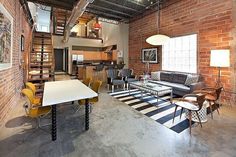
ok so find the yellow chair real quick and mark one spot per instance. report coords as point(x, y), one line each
point(87, 81)
point(95, 87)
point(32, 87)
point(32, 110)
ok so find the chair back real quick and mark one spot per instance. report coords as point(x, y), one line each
point(200, 100)
point(126, 73)
point(99, 67)
point(218, 91)
point(87, 81)
point(112, 73)
point(31, 86)
point(96, 86)
point(110, 67)
point(120, 66)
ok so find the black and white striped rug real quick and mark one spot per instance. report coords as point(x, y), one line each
point(162, 112)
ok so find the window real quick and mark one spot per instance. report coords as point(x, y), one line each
point(44, 28)
point(180, 54)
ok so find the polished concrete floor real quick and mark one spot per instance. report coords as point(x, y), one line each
point(116, 130)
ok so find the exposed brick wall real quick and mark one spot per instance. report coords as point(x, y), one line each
point(11, 80)
point(212, 20)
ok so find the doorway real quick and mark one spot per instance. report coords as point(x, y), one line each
point(66, 54)
point(58, 55)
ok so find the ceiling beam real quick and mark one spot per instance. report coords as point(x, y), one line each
point(76, 13)
point(54, 3)
point(120, 6)
point(91, 6)
point(99, 13)
point(137, 3)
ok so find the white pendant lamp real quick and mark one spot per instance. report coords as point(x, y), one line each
point(158, 39)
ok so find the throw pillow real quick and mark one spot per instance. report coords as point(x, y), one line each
point(179, 78)
point(155, 76)
point(168, 77)
point(191, 79)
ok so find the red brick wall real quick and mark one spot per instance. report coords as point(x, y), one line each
point(212, 20)
point(11, 80)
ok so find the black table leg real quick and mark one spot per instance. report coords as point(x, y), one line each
point(86, 114)
point(54, 123)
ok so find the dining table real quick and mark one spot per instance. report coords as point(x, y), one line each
point(60, 92)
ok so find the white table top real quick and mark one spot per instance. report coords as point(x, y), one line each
point(65, 91)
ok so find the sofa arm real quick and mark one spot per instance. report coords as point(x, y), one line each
point(196, 86)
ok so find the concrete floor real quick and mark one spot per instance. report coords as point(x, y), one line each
point(116, 130)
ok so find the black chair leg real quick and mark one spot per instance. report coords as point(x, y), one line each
point(211, 110)
point(181, 112)
point(190, 121)
point(217, 108)
point(174, 113)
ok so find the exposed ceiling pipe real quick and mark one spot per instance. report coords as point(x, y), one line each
point(77, 11)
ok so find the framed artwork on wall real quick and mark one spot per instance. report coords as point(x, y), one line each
point(22, 43)
point(6, 38)
point(149, 55)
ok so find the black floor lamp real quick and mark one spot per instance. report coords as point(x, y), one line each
point(219, 59)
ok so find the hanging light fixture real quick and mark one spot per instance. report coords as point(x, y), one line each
point(96, 25)
point(158, 39)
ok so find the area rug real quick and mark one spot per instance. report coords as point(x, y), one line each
point(162, 112)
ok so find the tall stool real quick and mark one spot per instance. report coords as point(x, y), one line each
point(97, 71)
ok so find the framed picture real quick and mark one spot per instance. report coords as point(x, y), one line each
point(149, 55)
point(6, 38)
point(22, 42)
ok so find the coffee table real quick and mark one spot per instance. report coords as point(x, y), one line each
point(156, 89)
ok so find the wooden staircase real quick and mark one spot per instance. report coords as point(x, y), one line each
point(41, 60)
point(60, 18)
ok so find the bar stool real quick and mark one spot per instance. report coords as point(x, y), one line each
point(97, 71)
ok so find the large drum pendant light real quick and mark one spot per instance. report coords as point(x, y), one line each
point(158, 39)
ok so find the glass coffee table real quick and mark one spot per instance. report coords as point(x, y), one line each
point(155, 89)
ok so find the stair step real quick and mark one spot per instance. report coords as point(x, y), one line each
point(41, 51)
point(46, 65)
point(38, 62)
point(42, 34)
point(41, 74)
point(42, 44)
point(42, 68)
point(60, 26)
point(40, 79)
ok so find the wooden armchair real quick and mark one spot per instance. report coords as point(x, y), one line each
point(212, 96)
point(192, 103)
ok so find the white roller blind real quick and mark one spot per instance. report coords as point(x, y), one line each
point(180, 54)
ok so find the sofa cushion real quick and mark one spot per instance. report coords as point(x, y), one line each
point(191, 79)
point(164, 76)
point(155, 76)
point(179, 78)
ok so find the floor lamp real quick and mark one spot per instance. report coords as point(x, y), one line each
point(219, 59)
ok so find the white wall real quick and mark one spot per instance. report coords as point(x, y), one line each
point(111, 34)
point(117, 35)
